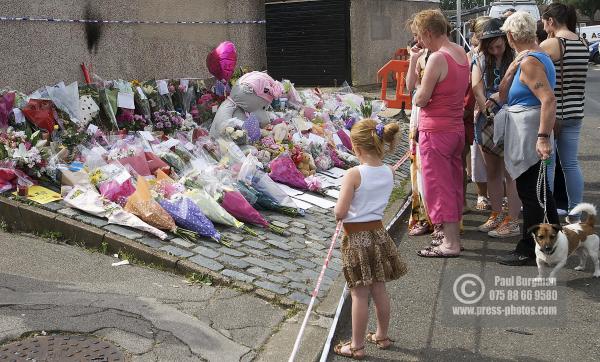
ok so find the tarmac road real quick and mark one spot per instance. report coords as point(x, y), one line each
point(152, 315)
point(423, 332)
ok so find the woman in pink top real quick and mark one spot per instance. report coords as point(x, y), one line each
point(441, 129)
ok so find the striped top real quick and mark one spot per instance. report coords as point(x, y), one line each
point(575, 66)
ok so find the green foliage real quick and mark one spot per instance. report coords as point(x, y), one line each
point(103, 248)
point(366, 109)
point(198, 278)
point(51, 235)
point(465, 4)
point(586, 7)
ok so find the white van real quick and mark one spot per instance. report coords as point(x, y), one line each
point(592, 33)
point(499, 7)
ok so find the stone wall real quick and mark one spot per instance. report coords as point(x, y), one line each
point(33, 54)
point(378, 28)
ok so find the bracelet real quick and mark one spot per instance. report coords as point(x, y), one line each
point(543, 135)
point(493, 100)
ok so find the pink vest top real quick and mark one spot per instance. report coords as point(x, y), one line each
point(444, 113)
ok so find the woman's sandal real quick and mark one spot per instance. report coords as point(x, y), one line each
point(338, 350)
point(418, 229)
point(435, 252)
point(439, 242)
point(379, 342)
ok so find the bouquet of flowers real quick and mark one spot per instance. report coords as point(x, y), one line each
point(165, 186)
point(167, 121)
point(10, 176)
point(284, 170)
point(7, 101)
point(130, 152)
point(40, 112)
point(27, 153)
point(88, 200)
point(267, 193)
point(142, 204)
point(117, 192)
point(107, 98)
point(66, 98)
point(112, 180)
point(215, 212)
point(266, 202)
point(204, 107)
point(235, 204)
point(187, 214)
point(130, 121)
point(140, 99)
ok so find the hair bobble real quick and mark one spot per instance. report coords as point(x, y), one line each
point(379, 130)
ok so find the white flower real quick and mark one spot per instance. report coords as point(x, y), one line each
point(20, 152)
point(229, 130)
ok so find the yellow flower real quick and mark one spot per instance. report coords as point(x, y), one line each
point(135, 83)
point(96, 177)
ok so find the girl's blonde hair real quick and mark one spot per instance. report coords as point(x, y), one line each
point(364, 135)
point(477, 25)
point(432, 20)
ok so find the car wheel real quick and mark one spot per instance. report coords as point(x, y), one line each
point(597, 58)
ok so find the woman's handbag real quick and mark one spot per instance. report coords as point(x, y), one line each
point(487, 134)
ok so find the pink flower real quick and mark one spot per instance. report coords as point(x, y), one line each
point(314, 184)
point(205, 98)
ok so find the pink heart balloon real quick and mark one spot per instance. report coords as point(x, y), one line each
point(221, 61)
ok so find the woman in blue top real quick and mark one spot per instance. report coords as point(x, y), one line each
point(531, 78)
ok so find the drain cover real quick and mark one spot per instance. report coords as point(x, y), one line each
point(60, 348)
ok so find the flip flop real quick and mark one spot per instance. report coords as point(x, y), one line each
point(338, 350)
point(379, 342)
point(433, 252)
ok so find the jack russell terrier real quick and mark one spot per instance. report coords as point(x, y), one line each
point(555, 243)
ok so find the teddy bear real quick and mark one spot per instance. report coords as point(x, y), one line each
point(252, 93)
point(307, 165)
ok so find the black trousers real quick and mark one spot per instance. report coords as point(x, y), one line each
point(533, 213)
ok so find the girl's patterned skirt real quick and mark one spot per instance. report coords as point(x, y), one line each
point(369, 255)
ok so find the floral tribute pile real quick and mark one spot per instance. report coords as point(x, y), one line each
point(143, 154)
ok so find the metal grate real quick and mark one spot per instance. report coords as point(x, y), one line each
point(60, 348)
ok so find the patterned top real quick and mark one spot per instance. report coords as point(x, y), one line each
point(575, 66)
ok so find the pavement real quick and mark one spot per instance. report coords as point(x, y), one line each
point(424, 332)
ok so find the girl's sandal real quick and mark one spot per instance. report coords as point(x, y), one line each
point(379, 342)
point(338, 350)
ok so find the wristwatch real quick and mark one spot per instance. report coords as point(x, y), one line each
point(543, 135)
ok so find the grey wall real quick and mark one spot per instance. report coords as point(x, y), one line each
point(378, 28)
point(34, 54)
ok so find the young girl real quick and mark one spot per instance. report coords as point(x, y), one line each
point(418, 223)
point(369, 255)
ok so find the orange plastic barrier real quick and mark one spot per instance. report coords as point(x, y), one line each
point(398, 68)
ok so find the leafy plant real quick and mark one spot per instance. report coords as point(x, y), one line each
point(103, 248)
point(366, 109)
point(199, 278)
